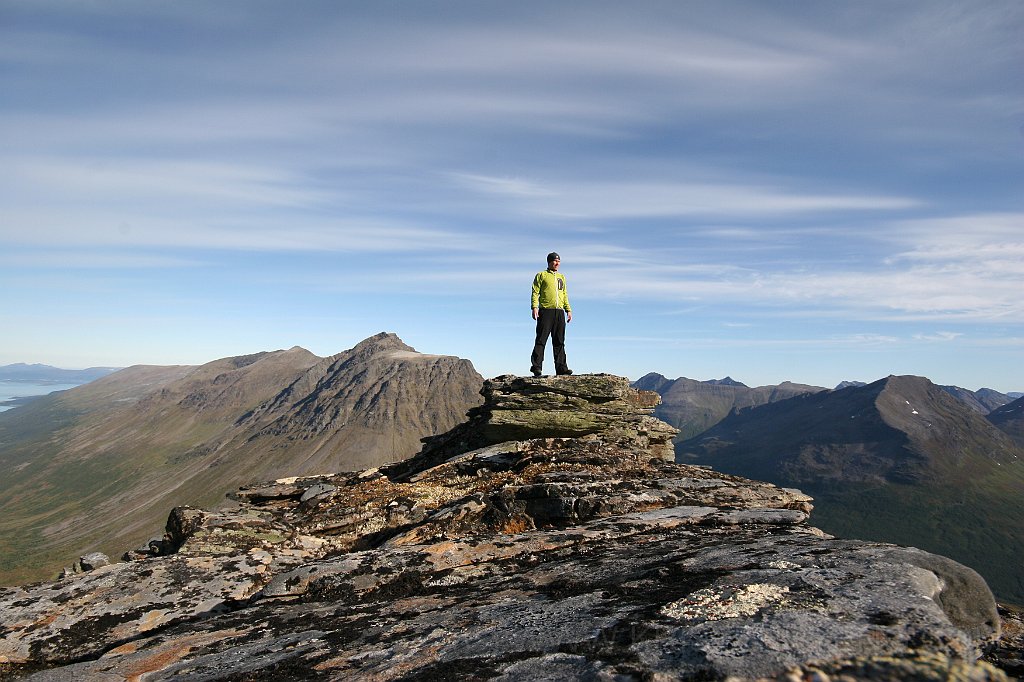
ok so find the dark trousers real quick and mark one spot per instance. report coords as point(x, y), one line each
point(551, 322)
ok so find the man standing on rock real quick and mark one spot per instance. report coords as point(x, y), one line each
point(549, 299)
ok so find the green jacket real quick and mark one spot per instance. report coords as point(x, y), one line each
point(549, 291)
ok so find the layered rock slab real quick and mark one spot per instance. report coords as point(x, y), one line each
point(520, 408)
point(544, 558)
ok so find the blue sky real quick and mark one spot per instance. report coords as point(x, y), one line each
point(774, 191)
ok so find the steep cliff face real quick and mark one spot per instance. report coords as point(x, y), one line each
point(583, 556)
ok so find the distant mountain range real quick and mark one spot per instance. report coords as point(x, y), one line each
point(899, 460)
point(694, 406)
point(45, 373)
point(983, 400)
point(98, 466)
point(1010, 419)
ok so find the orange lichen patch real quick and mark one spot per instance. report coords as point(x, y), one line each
point(155, 662)
point(164, 656)
point(48, 620)
point(331, 663)
point(457, 554)
point(515, 524)
point(152, 620)
point(379, 493)
point(123, 650)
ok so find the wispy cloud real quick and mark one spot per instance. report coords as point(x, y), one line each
point(632, 199)
point(502, 186)
point(100, 180)
point(991, 240)
point(127, 229)
point(942, 337)
point(902, 289)
point(70, 260)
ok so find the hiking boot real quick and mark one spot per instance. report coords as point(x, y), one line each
point(536, 373)
point(565, 373)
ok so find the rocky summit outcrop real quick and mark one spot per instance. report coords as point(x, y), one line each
point(560, 543)
point(518, 408)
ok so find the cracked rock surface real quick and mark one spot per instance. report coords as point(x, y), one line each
point(567, 556)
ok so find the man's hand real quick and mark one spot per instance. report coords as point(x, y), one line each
point(568, 316)
point(536, 313)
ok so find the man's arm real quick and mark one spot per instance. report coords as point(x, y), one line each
point(565, 293)
point(538, 280)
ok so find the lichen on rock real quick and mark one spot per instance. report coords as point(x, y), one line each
point(548, 537)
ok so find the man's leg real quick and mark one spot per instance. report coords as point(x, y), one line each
point(558, 343)
point(545, 321)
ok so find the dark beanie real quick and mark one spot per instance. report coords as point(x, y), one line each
point(552, 256)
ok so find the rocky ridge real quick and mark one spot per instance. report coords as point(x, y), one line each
point(549, 537)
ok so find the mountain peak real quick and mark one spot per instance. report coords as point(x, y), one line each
point(727, 381)
point(694, 406)
point(369, 401)
point(382, 341)
point(907, 380)
point(902, 428)
point(21, 371)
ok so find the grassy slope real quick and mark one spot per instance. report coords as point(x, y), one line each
point(92, 469)
point(53, 496)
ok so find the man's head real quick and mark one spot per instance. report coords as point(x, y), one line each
point(554, 260)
